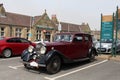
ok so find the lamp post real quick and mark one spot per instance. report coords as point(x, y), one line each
point(30, 31)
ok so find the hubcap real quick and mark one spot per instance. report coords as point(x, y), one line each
point(7, 53)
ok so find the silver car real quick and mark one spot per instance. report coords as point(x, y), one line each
point(106, 46)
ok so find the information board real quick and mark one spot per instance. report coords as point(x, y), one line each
point(107, 30)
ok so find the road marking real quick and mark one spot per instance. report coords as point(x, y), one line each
point(15, 67)
point(7, 59)
point(54, 78)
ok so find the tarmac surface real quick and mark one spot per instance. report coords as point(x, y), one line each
point(109, 57)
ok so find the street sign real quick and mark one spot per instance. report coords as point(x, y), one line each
point(107, 30)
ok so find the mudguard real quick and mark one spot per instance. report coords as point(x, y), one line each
point(25, 55)
point(51, 53)
point(91, 50)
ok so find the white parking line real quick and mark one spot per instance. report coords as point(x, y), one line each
point(7, 59)
point(54, 78)
point(15, 67)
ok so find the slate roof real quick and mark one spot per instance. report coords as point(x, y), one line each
point(70, 27)
point(74, 27)
point(15, 19)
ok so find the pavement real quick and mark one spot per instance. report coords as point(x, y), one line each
point(109, 57)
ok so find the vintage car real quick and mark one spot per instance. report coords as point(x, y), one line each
point(66, 48)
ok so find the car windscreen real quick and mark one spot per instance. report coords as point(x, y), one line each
point(106, 41)
point(63, 37)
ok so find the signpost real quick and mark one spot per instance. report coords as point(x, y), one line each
point(117, 27)
point(107, 30)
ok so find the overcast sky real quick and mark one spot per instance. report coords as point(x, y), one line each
point(72, 11)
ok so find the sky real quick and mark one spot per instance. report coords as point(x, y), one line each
point(71, 11)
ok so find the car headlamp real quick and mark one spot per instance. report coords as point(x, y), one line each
point(30, 48)
point(38, 46)
point(43, 50)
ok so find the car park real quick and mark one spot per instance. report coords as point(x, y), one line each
point(105, 46)
point(10, 46)
point(66, 48)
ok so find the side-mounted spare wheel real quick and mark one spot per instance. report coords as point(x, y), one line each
point(54, 65)
point(7, 53)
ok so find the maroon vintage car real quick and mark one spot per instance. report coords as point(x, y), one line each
point(13, 46)
point(66, 48)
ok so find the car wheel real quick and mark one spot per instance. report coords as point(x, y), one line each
point(92, 55)
point(7, 53)
point(54, 65)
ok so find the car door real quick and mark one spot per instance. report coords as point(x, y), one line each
point(86, 45)
point(77, 47)
point(24, 44)
point(17, 45)
point(14, 45)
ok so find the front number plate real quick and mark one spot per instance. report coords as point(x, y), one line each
point(33, 64)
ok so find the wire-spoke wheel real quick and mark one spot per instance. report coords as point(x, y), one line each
point(7, 53)
point(54, 65)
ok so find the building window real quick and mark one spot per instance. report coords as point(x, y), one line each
point(38, 35)
point(18, 32)
point(2, 31)
point(47, 36)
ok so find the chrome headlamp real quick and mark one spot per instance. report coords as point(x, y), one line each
point(42, 49)
point(30, 48)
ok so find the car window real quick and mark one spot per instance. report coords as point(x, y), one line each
point(24, 41)
point(63, 37)
point(17, 40)
point(78, 38)
point(86, 38)
point(11, 40)
point(14, 40)
point(106, 40)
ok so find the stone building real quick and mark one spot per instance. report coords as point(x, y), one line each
point(40, 27)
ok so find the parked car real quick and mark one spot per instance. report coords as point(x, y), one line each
point(39, 41)
point(66, 48)
point(106, 46)
point(13, 46)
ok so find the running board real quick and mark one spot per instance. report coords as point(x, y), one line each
point(83, 59)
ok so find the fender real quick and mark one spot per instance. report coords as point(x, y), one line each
point(51, 53)
point(25, 55)
point(91, 50)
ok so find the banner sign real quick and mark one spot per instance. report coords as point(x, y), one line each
point(107, 30)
